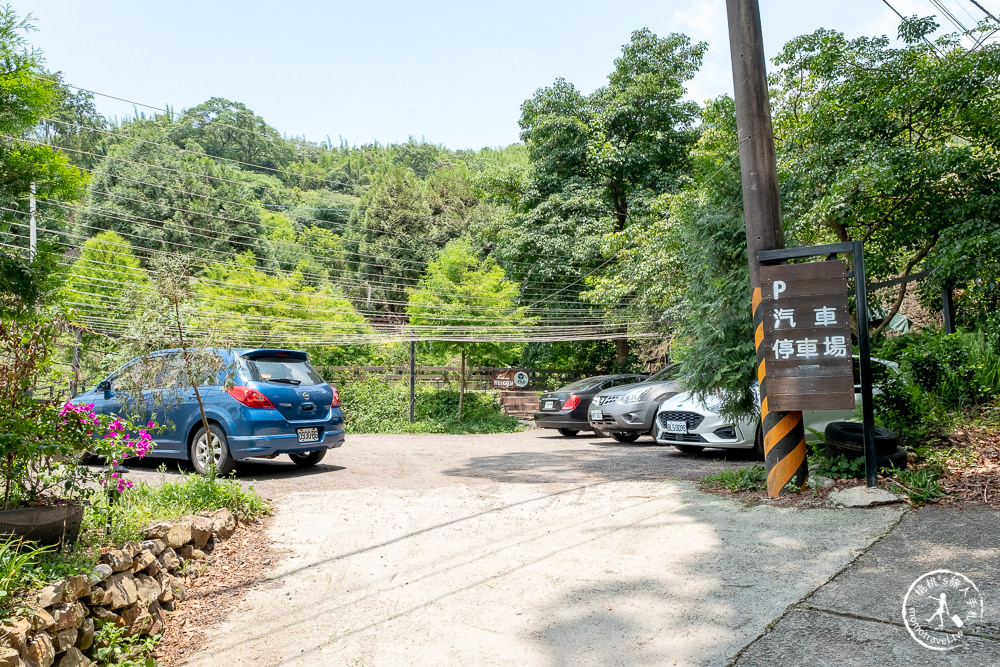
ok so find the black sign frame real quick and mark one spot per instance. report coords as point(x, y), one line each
point(855, 248)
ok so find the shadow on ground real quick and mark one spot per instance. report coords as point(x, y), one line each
point(590, 459)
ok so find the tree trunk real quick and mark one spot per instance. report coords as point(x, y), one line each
point(461, 391)
point(621, 349)
point(74, 384)
point(194, 383)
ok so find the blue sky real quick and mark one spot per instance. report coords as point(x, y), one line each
point(448, 72)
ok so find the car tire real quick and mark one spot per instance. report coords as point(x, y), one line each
point(849, 437)
point(897, 459)
point(307, 459)
point(568, 432)
point(625, 436)
point(87, 458)
point(689, 449)
point(208, 450)
point(758, 444)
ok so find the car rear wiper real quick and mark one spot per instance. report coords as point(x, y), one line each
point(285, 380)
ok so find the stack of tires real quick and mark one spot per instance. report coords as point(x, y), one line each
point(848, 439)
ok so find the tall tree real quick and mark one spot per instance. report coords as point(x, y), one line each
point(461, 299)
point(897, 147)
point(161, 198)
point(232, 131)
point(598, 162)
point(390, 240)
point(26, 94)
point(247, 306)
point(101, 277)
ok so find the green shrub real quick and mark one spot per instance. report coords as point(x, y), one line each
point(901, 407)
point(951, 370)
point(114, 645)
point(834, 467)
point(372, 405)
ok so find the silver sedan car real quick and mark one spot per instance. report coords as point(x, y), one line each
point(691, 425)
point(626, 413)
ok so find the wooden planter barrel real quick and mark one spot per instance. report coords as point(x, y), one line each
point(47, 524)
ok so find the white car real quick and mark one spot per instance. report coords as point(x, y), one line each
point(691, 425)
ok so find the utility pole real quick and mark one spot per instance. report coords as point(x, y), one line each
point(783, 433)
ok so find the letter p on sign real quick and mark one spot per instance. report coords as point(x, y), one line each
point(778, 286)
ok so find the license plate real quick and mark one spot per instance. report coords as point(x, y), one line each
point(549, 405)
point(308, 434)
point(675, 427)
point(596, 415)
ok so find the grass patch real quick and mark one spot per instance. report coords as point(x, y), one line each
point(191, 494)
point(920, 485)
point(745, 479)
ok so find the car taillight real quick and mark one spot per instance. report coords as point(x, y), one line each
point(251, 398)
point(335, 403)
point(571, 402)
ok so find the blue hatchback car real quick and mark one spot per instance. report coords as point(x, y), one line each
point(259, 403)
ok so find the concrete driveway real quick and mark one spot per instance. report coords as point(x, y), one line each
point(524, 549)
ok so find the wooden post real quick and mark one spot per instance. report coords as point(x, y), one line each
point(783, 432)
point(413, 377)
point(948, 308)
point(461, 392)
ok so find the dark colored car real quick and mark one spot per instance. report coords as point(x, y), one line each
point(566, 409)
point(259, 403)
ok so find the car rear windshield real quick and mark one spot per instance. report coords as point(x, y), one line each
point(283, 370)
point(586, 383)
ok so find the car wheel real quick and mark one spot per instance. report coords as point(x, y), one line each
point(308, 459)
point(689, 449)
point(849, 437)
point(568, 432)
point(625, 436)
point(211, 450)
point(758, 444)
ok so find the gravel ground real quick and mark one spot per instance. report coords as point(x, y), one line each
point(522, 549)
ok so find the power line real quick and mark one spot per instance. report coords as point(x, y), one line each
point(238, 221)
point(403, 281)
point(983, 10)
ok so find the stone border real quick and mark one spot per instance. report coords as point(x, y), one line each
point(132, 587)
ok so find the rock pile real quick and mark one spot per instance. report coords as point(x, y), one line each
point(132, 587)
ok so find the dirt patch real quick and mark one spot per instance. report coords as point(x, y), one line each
point(234, 567)
point(974, 473)
point(811, 498)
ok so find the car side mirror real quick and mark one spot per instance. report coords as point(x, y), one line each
point(104, 385)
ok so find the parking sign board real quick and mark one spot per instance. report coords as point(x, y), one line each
point(807, 336)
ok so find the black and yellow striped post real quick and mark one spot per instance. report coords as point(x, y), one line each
point(783, 432)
